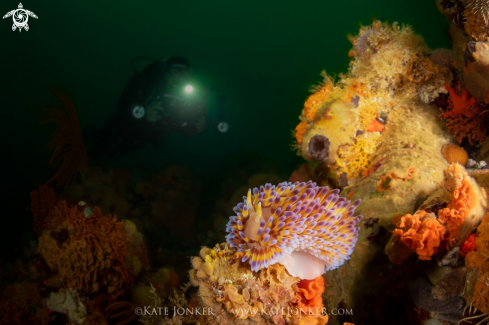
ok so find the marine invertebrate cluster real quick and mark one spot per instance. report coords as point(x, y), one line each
point(88, 253)
point(469, 34)
point(342, 124)
point(424, 237)
point(427, 233)
point(478, 7)
point(308, 229)
point(385, 141)
point(478, 259)
point(476, 18)
point(465, 117)
point(239, 296)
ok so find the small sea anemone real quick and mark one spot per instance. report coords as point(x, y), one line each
point(308, 229)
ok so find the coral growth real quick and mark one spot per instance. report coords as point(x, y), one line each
point(469, 35)
point(477, 18)
point(239, 296)
point(392, 79)
point(423, 237)
point(427, 234)
point(478, 259)
point(464, 118)
point(390, 64)
point(307, 228)
point(88, 253)
point(70, 154)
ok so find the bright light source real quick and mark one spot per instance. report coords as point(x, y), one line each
point(189, 89)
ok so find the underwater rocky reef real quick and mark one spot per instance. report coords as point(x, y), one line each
point(386, 221)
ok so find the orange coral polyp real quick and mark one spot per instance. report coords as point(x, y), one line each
point(310, 293)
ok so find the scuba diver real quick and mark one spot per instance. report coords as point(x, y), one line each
point(164, 97)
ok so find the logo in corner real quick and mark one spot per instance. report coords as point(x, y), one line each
point(20, 17)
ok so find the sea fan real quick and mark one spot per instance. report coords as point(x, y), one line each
point(70, 154)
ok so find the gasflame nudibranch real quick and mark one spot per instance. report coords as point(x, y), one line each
point(307, 228)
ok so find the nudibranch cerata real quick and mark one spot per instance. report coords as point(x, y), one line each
point(307, 228)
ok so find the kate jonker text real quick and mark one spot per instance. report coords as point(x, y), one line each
point(175, 311)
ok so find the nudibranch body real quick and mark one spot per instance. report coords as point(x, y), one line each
point(308, 229)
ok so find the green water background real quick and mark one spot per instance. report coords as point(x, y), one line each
point(263, 55)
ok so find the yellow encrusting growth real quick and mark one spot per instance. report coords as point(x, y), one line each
point(391, 64)
point(359, 154)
